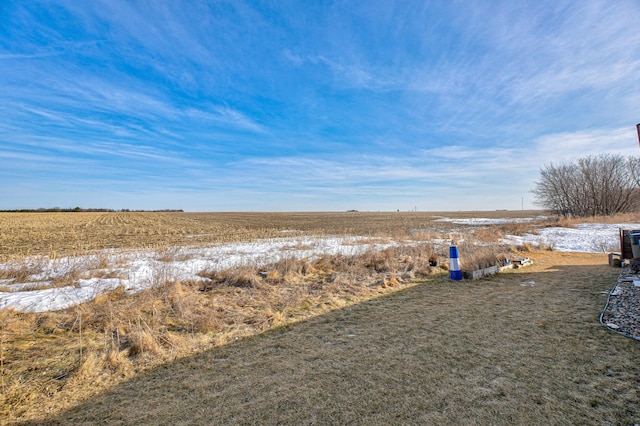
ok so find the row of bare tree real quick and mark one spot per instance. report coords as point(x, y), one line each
point(590, 186)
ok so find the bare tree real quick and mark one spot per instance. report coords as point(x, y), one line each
point(634, 166)
point(591, 186)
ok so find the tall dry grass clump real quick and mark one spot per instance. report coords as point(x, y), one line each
point(481, 249)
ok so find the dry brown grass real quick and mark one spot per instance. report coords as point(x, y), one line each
point(53, 361)
point(523, 347)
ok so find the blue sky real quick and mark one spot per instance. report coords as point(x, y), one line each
point(308, 105)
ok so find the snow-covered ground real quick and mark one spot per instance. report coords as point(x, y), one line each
point(585, 237)
point(137, 270)
point(487, 221)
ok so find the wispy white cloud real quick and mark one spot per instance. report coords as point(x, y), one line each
point(225, 116)
point(579, 49)
point(568, 146)
point(5, 56)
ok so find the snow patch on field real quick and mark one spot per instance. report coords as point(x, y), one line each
point(584, 237)
point(483, 221)
point(139, 270)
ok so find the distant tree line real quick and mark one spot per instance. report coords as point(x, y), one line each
point(80, 209)
point(590, 186)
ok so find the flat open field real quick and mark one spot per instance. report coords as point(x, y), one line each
point(61, 234)
point(374, 338)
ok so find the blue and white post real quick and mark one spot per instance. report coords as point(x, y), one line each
point(454, 264)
